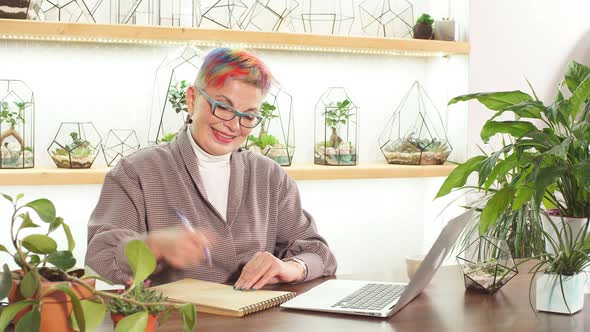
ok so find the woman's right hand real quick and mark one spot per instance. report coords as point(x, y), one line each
point(179, 248)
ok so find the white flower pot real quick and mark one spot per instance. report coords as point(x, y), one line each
point(551, 298)
point(576, 224)
point(444, 30)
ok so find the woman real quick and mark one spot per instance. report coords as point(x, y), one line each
point(246, 227)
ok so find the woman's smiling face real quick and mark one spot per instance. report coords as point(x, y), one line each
point(214, 135)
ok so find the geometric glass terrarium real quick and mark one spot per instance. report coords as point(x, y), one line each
point(67, 11)
point(226, 14)
point(487, 264)
point(140, 12)
point(415, 134)
point(276, 133)
point(270, 15)
point(327, 17)
point(387, 18)
point(119, 143)
point(336, 129)
point(169, 111)
point(76, 145)
point(16, 125)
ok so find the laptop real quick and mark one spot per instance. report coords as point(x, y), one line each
point(376, 298)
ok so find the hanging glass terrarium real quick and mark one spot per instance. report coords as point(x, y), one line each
point(119, 143)
point(336, 129)
point(415, 134)
point(327, 17)
point(276, 132)
point(169, 111)
point(17, 115)
point(270, 15)
point(75, 145)
point(387, 18)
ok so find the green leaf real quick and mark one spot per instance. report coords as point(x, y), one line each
point(527, 109)
point(575, 74)
point(39, 244)
point(581, 171)
point(71, 242)
point(486, 166)
point(55, 224)
point(3, 248)
point(94, 313)
point(30, 322)
point(495, 100)
point(5, 282)
point(544, 178)
point(579, 97)
point(189, 316)
point(28, 285)
point(494, 208)
point(27, 221)
point(501, 170)
point(560, 151)
point(459, 175)
point(19, 196)
point(8, 198)
point(76, 306)
point(62, 259)
point(9, 312)
point(516, 129)
point(136, 322)
point(44, 208)
point(164, 316)
point(141, 261)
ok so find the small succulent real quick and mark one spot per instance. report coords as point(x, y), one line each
point(139, 294)
point(426, 19)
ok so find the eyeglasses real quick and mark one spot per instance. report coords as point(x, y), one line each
point(225, 112)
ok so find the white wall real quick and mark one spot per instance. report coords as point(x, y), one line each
point(511, 40)
point(371, 224)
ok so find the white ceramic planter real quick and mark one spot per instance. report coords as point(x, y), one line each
point(576, 224)
point(550, 297)
point(444, 30)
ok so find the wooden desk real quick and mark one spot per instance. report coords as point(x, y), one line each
point(443, 306)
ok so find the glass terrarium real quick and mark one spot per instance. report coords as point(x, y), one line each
point(119, 143)
point(336, 129)
point(276, 133)
point(75, 145)
point(487, 264)
point(69, 10)
point(415, 134)
point(141, 12)
point(387, 18)
point(270, 15)
point(169, 110)
point(17, 115)
point(226, 14)
point(327, 17)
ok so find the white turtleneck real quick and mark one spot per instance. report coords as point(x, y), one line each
point(215, 172)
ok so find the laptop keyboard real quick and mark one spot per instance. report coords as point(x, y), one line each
point(371, 297)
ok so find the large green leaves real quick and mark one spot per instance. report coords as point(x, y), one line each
point(459, 175)
point(582, 174)
point(62, 259)
point(579, 97)
point(486, 166)
point(527, 109)
point(515, 128)
point(29, 285)
point(495, 207)
point(189, 316)
point(575, 74)
point(8, 314)
point(495, 100)
point(39, 244)
point(94, 313)
point(44, 208)
point(133, 323)
point(141, 260)
point(30, 322)
point(5, 281)
point(27, 221)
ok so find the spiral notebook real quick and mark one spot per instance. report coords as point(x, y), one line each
point(221, 299)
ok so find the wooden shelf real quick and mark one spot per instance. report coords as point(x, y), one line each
point(59, 176)
point(83, 32)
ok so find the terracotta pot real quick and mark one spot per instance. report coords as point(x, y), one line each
point(57, 306)
point(151, 325)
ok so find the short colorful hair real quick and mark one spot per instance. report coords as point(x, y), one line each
point(224, 63)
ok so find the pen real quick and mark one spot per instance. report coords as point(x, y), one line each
point(188, 226)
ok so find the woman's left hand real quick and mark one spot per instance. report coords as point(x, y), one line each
point(264, 268)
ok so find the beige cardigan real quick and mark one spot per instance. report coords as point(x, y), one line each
point(263, 214)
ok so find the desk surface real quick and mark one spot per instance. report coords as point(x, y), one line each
point(443, 306)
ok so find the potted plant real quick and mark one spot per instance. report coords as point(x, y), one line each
point(76, 145)
point(423, 28)
point(46, 295)
point(177, 98)
point(444, 29)
point(14, 151)
point(560, 272)
point(544, 161)
point(120, 308)
point(337, 117)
